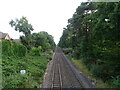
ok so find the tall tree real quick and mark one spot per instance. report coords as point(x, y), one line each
point(22, 25)
point(95, 31)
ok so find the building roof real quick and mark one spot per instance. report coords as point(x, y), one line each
point(17, 40)
point(3, 35)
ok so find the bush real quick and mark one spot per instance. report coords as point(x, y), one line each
point(19, 49)
point(101, 71)
point(15, 81)
point(35, 67)
point(116, 82)
point(6, 47)
point(13, 49)
point(96, 70)
point(13, 61)
point(36, 51)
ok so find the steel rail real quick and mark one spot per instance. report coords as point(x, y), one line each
point(52, 75)
point(58, 66)
point(64, 68)
point(60, 76)
point(56, 74)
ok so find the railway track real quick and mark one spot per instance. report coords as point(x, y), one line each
point(62, 75)
point(56, 78)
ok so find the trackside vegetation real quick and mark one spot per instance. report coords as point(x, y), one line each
point(31, 56)
point(15, 57)
point(93, 34)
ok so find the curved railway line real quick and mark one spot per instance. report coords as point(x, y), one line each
point(62, 74)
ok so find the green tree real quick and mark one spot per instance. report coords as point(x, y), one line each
point(22, 25)
point(94, 34)
point(43, 39)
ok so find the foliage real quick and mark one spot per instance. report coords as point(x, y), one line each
point(101, 71)
point(22, 25)
point(13, 49)
point(15, 59)
point(35, 68)
point(32, 40)
point(116, 82)
point(26, 41)
point(6, 47)
point(44, 40)
point(30, 56)
point(36, 51)
point(93, 34)
point(83, 68)
point(14, 81)
point(19, 49)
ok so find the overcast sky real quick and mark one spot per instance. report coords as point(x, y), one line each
point(45, 15)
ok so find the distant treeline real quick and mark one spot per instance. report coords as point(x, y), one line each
point(93, 33)
point(42, 39)
point(35, 40)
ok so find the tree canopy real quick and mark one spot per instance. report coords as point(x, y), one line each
point(42, 39)
point(93, 33)
point(22, 25)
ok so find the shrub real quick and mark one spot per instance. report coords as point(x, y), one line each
point(19, 49)
point(101, 71)
point(76, 54)
point(36, 51)
point(96, 70)
point(6, 47)
point(116, 82)
point(15, 81)
point(13, 49)
point(22, 50)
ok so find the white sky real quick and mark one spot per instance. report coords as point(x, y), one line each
point(45, 15)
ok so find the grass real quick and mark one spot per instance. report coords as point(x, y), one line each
point(84, 69)
point(35, 67)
